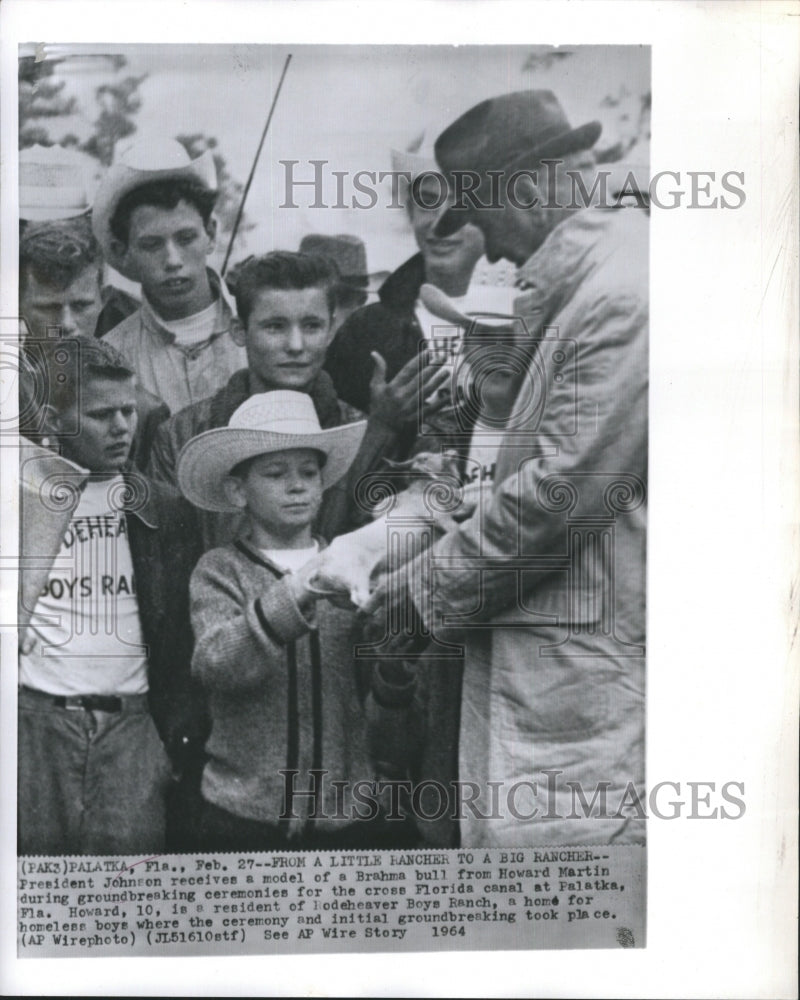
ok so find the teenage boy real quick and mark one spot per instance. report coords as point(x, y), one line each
point(399, 323)
point(285, 303)
point(288, 765)
point(153, 219)
point(61, 295)
point(106, 708)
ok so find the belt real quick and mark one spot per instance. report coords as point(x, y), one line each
point(91, 702)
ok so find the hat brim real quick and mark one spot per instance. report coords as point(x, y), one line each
point(412, 164)
point(573, 141)
point(443, 307)
point(369, 283)
point(209, 458)
point(121, 179)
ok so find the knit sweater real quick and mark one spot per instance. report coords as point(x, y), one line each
point(282, 695)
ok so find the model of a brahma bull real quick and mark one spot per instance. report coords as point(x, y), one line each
point(424, 508)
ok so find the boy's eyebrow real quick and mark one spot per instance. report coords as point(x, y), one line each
point(283, 318)
point(99, 411)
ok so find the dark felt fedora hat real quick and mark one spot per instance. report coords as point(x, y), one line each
point(350, 256)
point(507, 133)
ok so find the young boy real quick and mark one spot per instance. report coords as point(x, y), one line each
point(288, 745)
point(153, 218)
point(107, 711)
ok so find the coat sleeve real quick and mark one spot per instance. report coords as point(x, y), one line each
point(176, 702)
point(152, 413)
point(163, 458)
point(348, 362)
point(599, 432)
point(239, 640)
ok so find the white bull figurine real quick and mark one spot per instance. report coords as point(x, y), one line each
point(349, 564)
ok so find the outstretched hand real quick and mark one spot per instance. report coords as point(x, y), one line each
point(398, 402)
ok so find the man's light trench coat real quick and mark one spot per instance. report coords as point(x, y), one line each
point(545, 586)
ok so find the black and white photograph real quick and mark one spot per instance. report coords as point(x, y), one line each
point(330, 404)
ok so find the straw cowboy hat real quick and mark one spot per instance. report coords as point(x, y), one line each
point(266, 422)
point(350, 257)
point(507, 133)
point(54, 183)
point(139, 163)
point(417, 158)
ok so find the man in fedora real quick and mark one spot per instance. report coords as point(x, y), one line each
point(545, 583)
point(153, 219)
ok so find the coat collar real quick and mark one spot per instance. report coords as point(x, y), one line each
point(564, 260)
point(238, 389)
point(401, 288)
point(139, 498)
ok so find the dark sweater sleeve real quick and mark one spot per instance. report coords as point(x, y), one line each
point(348, 362)
point(239, 640)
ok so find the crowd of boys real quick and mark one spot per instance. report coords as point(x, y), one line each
point(184, 684)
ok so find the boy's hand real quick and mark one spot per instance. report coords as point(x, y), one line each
point(307, 586)
point(298, 583)
point(397, 402)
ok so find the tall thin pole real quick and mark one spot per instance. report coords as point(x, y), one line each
point(255, 162)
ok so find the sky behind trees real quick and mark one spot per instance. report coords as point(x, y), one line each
point(348, 105)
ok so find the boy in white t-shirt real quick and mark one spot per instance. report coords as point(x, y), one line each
point(105, 695)
point(491, 388)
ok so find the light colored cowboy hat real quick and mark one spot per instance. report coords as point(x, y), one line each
point(266, 422)
point(497, 311)
point(417, 159)
point(139, 163)
point(54, 183)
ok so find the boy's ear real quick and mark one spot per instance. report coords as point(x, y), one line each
point(233, 491)
point(211, 232)
point(120, 250)
point(238, 331)
point(333, 328)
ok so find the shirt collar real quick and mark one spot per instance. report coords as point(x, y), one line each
point(225, 311)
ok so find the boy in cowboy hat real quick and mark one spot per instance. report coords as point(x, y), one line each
point(286, 303)
point(276, 663)
point(61, 267)
point(153, 219)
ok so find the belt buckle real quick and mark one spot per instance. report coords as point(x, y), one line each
point(74, 703)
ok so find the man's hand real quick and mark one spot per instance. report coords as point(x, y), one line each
point(391, 608)
point(397, 403)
